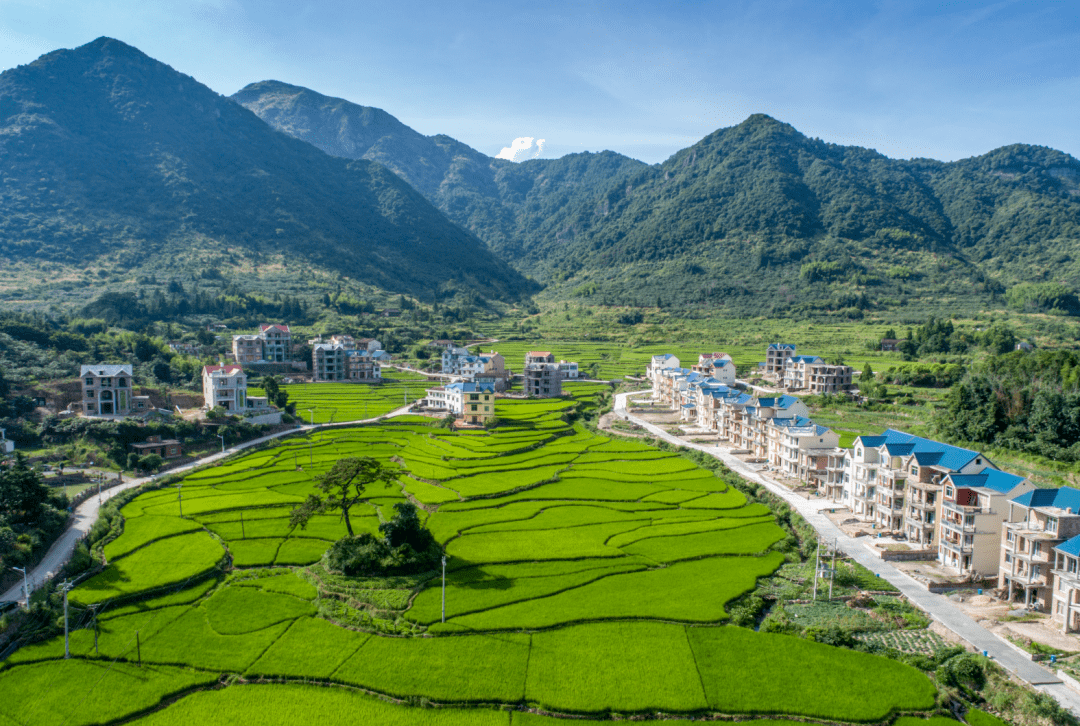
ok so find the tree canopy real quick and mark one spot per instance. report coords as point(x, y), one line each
point(342, 488)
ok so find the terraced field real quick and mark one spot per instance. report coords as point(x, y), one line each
point(336, 402)
point(586, 576)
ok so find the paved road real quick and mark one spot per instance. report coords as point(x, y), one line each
point(87, 513)
point(938, 606)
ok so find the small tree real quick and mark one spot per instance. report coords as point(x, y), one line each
point(151, 462)
point(342, 487)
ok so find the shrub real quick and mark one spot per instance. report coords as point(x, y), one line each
point(963, 671)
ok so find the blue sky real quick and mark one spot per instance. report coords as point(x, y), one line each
point(938, 79)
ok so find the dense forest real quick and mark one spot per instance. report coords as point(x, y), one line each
point(1024, 401)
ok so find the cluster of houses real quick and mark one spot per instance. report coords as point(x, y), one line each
point(479, 377)
point(949, 503)
point(345, 359)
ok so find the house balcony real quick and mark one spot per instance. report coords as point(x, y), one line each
point(895, 509)
point(1028, 579)
point(955, 545)
point(920, 504)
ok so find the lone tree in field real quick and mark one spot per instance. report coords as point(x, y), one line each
point(342, 487)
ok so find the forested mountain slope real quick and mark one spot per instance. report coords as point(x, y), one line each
point(113, 159)
point(752, 217)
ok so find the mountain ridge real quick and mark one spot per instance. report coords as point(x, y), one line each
point(144, 161)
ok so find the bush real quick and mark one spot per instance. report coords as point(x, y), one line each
point(963, 671)
point(362, 555)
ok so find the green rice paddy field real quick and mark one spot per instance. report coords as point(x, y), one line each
point(336, 402)
point(587, 577)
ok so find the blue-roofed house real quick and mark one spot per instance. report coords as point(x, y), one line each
point(972, 512)
point(1065, 607)
point(1037, 521)
point(656, 364)
point(795, 446)
point(894, 480)
point(776, 355)
point(795, 370)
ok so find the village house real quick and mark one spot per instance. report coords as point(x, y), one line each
point(442, 343)
point(1066, 592)
point(1037, 522)
point(776, 358)
point(474, 402)
point(541, 377)
point(341, 360)
point(225, 387)
point(829, 379)
point(890, 345)
point(654, 367)
point(107, 391)
point(796, 443)
point(272, 344)
point(165, 448)
point(880, 469)
point(568, 370)
point(972, 512)
point(717, 366)
point(796, 374)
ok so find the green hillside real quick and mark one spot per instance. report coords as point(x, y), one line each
point(114, 160)
point(755, 219)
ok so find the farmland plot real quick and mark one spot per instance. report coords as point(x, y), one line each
point(585, 575)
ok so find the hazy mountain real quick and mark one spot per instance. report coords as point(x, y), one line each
point(110, 157)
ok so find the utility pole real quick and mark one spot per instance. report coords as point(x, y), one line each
point(222, 437)
point(817, 565)
point(93, 610)
point(832, 573)
point(312, 412)
point(444, 588)
point(180, 499)
point(67, 646)
point(243, 535)
point(25, 587)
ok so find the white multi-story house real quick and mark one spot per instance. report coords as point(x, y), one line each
point(776, 357)
point(795, 444)
point(225, 387)
point(657, 364)
point(107, 390)
point(1037, 522)
point(568, 369)
point(880, 469)
point(717, 366)
point(1066, 592)
point(797, 371)
point(490, 367)
point(972, 513)
point(474, 402)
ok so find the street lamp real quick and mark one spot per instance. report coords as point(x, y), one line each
point(444, 588)
point(312, 412)
point(26, 589)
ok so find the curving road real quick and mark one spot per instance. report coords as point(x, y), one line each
point(86, 513)
point(938, 606)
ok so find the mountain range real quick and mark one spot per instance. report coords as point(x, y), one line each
point(112, 157)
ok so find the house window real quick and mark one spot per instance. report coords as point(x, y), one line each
point(89, 381)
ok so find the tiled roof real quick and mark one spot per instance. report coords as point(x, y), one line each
point(1069, 546)
point(227, 369)
point(804, 359)
point(781, 346)
point(106, 370)
point(999, 481)
point(1063, 498)
point(927, 452)
point(899, 449)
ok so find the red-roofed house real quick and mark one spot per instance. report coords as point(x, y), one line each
point(273, 344)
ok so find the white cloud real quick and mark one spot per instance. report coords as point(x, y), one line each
point(520, 149)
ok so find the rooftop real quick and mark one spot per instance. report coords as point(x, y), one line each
point(106, 370)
